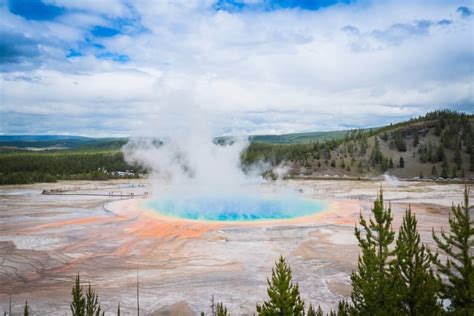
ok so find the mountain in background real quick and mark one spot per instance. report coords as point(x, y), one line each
point(58, 142)
point(437, 145)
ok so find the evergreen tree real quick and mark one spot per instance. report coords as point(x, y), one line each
point(312, 312)
point(444, 169)
point(457, 271)
point(471, 163)
point(26, 310)
point(416, 284)
point(401, 163)
point(284, 295)
point(78, 305)
point(92, 303)
point(343, 309)
point(221, 310)
point(458, 158)
point(441, 155)
point(416, 140)
point(319, 311)
point(372, 292)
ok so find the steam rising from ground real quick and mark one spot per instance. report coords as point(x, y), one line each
point(196, 178)
point(393, 181)
point(183, 157)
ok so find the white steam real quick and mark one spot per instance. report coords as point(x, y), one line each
point(393, 180)
point(186, 160)
point(194, 177)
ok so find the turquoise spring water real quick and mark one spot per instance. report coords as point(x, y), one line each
point(236, 208)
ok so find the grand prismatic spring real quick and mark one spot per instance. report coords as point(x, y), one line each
point(211, 208)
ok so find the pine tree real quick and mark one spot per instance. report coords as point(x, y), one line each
point(26, 310)
point(372, 292)
point(458, 158)
point(284, 295)
point(457, 271)
point(343, 309)
point(319, 311)
point(416, 140)
point(78, 305)
point(312, 312)
point(416, 284)
point(221, 310)
point(441, 156)
point(92, 303)
point(471, 164)
point(444, 170)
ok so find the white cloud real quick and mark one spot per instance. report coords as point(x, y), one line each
point(279, 71)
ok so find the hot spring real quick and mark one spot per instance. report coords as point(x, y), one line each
point(242, 208)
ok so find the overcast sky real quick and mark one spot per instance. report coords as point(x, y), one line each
point(107, 67)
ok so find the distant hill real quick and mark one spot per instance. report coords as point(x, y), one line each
point(38, 137)
point(298, 138)
point(57, 142)
point(61, 142)
point(437, 145)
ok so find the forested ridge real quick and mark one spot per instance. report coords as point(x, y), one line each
point(437, 145)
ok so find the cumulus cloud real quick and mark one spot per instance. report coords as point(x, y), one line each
point(256, 67)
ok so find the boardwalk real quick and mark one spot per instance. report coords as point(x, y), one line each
point(76, 191)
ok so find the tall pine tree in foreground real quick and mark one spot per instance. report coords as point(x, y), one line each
point(84, 305)
point(343, 309)
point(457, 271)
point(92, 303)
point(221, 310)
point(78, 304)
point(416, 285)
point(313, 312)
point(372, 289)
point(284, 295)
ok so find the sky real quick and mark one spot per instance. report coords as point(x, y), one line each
point(110, 67)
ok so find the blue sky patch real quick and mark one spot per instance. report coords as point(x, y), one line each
point(34, 9)
point(272, 5)
point(464, 11)
point(103, 31)
point(73, 53)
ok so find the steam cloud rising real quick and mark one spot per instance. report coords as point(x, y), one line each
point(193, 177)
point(186, 159)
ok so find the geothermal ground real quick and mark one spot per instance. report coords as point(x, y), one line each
point(46, 239)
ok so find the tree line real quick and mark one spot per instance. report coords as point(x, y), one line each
point(441, 136)
point(20, 168)
point(395, 275)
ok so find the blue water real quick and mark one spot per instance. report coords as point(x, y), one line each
point(235, 208)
